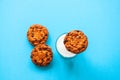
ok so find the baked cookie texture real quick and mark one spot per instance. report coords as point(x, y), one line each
point(76, 41)
point(41, 55)
point(37, 34)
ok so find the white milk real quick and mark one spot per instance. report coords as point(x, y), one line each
point(62, 49)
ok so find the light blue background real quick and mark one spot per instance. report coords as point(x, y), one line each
point(98, 19)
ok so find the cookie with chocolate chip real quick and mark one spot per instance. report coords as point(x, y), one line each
point(76, 41)
point(41, 55)
point(37, 34)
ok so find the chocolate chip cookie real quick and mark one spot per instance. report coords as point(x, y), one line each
point(37, 34)
point(76, 41)
point(41, 55)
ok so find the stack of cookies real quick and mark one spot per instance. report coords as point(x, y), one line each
point(42, 54)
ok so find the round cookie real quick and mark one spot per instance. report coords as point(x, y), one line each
point(41, 55)
point(76, 41)
point(37, 34)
